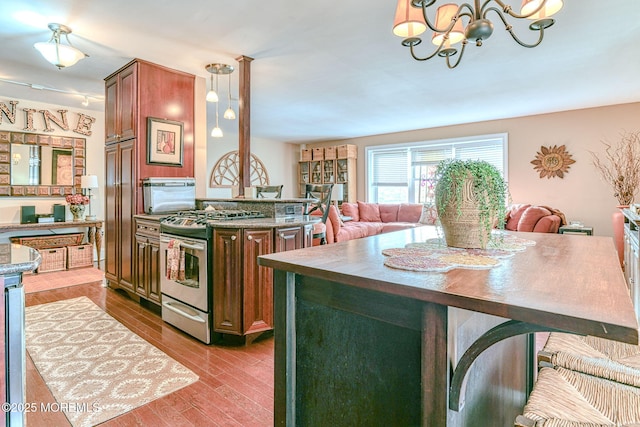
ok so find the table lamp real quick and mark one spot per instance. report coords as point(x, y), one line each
point(337, 193)
point(89, 182)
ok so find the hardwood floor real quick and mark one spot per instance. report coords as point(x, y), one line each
point(235, 386)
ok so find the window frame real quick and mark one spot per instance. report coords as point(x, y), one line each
point(431, 144)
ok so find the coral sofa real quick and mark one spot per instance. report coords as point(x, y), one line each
point(540, 219)
point(368, 219)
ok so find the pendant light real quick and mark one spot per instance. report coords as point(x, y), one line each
point(216, 132)
point(229, 114)
point(218, 69)
point(212, 95)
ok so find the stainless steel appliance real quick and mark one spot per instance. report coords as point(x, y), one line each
point(168, 194)
point(187, 302)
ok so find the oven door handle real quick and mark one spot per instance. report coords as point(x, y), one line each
point(169, 306)
point(186, 245)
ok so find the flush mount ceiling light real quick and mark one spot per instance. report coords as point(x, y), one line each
point(60, 55)
point(459, 24)
point(218, 69)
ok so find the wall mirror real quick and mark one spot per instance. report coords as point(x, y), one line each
point(40, 164)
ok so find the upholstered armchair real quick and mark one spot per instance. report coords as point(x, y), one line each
point(540, 219)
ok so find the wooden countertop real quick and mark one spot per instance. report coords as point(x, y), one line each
point(567, 282)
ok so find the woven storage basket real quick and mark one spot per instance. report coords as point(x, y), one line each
point(330, 153)
point(49, 241)
point(305, 155)
point(461, 225)
point(318, 154)
point(79, 256)
point(347, 151)
point(52, 260)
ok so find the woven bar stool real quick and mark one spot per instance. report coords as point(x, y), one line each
point(565, 398)
point(599, 357)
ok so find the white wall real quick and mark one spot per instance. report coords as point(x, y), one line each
point(581, 194)
point(278, 158)
point(94, 165)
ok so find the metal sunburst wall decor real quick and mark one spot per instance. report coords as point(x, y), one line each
point(552, 161)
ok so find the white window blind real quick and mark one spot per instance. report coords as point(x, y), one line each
point(403, 173)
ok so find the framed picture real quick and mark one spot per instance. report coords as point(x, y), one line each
point(164, 142)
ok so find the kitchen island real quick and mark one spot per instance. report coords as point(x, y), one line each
point(359, 343)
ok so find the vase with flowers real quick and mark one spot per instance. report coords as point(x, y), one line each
point(77, 205)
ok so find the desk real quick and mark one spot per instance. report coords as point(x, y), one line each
point(94, 230)
point(353, 337)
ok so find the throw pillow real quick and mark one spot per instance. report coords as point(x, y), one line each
point(369, 212)
point(351, 209)
point(429, 214)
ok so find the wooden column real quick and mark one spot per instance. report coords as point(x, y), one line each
point(244, 122)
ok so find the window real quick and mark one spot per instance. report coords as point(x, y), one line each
point(404, 173)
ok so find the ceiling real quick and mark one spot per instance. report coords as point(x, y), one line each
point(331, 69)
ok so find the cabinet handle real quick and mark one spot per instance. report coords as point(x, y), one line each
point(282, 235)
point(233, 237)
point(249, 237)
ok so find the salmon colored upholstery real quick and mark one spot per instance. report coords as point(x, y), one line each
point(351, 210)
point(368, 219)
point(539, 219)
point(369, 212)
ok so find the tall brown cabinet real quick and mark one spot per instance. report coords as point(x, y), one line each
point(135, 92)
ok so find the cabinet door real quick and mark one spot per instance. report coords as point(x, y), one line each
point(227, 281)
point(111, 110)
point(126, 201)
point(111, 206)
point(288, 239)
point(127, 103)
point(154, 292)
point(258, 282)
point(120, 106)
point(141, 274)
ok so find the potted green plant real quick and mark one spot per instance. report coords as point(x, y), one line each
point(471, 200)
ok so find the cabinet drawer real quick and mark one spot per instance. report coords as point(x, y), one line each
point(149, 228)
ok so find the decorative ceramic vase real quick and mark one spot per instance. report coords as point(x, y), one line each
point(617, 219)
point(77, 211)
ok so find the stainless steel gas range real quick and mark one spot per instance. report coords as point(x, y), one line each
point(186, 255)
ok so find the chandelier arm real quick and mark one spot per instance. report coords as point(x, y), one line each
point(464, 44)
point(509, 28)
point(426, 57)
point(507, 9)
point(457, 16)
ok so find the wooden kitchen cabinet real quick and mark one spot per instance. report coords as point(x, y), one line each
point(243, 290)
point(119, 209)
point(147, 259)
point(134, 93)
point(120, 105)
point(289, 238)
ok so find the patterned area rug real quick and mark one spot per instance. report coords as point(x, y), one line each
point(94, 366)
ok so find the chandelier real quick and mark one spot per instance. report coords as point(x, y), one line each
point(460, 24)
